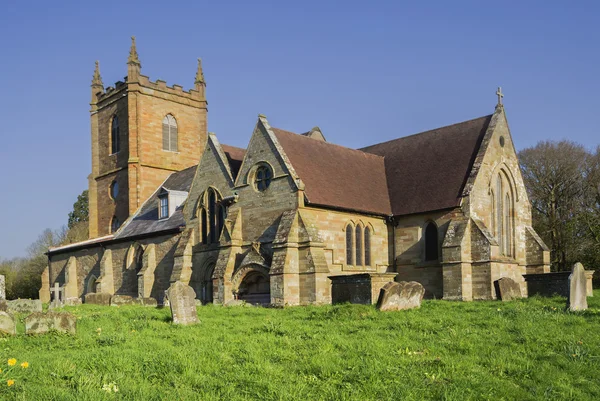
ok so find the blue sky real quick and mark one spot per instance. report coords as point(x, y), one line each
point(365, 72)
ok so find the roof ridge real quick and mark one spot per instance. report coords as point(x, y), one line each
point(328, 143)
point(428, 131)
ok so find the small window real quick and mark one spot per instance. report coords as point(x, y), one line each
point(263, 178)
point(114, 224)
point(163, 212)
point(169, 133)
point(431, 242)
point(358, 243)
point(114, 190)
point(114, 136)
point(204, 226)
point(501, 141)
point(367, 246)
point(349, 252)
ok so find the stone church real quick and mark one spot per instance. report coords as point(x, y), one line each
point(270, 224)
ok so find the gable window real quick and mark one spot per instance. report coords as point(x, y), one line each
point(263, 178)
point(212, 213)
point(163, 210)
point(431, 242)
point(114, 224)
point(169, 125)
point(349, 252)
point(114, 136)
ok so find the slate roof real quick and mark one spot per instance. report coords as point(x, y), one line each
point(336, 176)
point(146, 221)
point(234, 157)
point(428, 171)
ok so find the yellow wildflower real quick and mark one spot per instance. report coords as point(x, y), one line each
point(10, 382)
point(12, 362)
point(25, 365)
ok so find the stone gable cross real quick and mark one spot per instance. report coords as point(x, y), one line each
point(500, 95)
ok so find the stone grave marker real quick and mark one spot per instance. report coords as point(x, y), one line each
point(577, 288)
point(7, 324)
point(2, 288)
point(57, 295)
point(118, 300)
point(508, 289)
point(399, 296)
point(182, 301)
point(24, 306)
point(98, 298)
point(41, 323)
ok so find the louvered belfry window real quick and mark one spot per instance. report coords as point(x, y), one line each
point(169, 133)
point(114, 136)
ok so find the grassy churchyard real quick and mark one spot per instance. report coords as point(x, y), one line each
point(521, 350)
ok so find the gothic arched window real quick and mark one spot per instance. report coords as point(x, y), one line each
point(508, 228)
point(114, 136)
point(204, 222)
point(367, 246)
point(358, 243)
point(349, 252)
point(499, 213)
point(169, 129)
point(212, 218)
point(431, 242)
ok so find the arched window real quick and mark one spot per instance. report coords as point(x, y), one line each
point(263, 177)
point(114, 224)
point(349, 252)
point(499, 213)
point(91, 286)
point(493, 203)
point(508, 228)
point(114, 136)
point(114, 190)
point(367, 246)
point(431, 242)
point(169, 133)
point(358, 243)
point(212, 218)
point(204, 222)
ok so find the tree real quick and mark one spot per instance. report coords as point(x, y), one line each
point(562, 184)
point(80, 212)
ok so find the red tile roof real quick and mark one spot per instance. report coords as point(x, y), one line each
point(428, 171)
point(234, 157)
point(336, 176)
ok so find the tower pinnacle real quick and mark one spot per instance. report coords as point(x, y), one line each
point(97, 79)
point(133, 55)
point(199, 73)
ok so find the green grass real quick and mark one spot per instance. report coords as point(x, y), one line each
point(522, 350)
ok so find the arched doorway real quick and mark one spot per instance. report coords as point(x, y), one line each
point(254, 286)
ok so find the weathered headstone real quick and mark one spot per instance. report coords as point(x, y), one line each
point(57, 295)
point(182, 301)
point(152, 302)
point(98, 298)
point(118, 300)
point(24, 306)
point(41, 323)
point(237, 302)
point(2, 287)
point(399, 296)
point(509, 289)
point(7, 324)
point(577, 288)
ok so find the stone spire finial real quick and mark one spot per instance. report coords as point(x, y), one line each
point(97, 79)
point(500, 96)
point(199, 73)
point(133, 55)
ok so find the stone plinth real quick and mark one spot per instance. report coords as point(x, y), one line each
point(360, 288)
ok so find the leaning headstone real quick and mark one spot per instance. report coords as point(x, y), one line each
point(7, 324)
point(98, 298)
point(509, 289)
point(118, 300)
point(24, 306)
point(2, 287)
point(182, 301)
point(578, 288)
point(399, 296)
point(41, 323)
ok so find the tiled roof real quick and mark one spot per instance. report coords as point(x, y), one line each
point(146, 221)
point(336, 176)
point(428, 171)
point(234, 157)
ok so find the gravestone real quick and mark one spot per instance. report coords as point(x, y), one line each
point(577, 289)
point(2, 288)
point(57, 294)
point(118, 300)
point(24, 306)
point(508, 289)
point(7, 324)
point(182, 301)
point(41, 323)
point(399, 296)
point(152, 302)
point(98, 298)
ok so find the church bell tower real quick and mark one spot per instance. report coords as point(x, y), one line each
point(142, 131)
